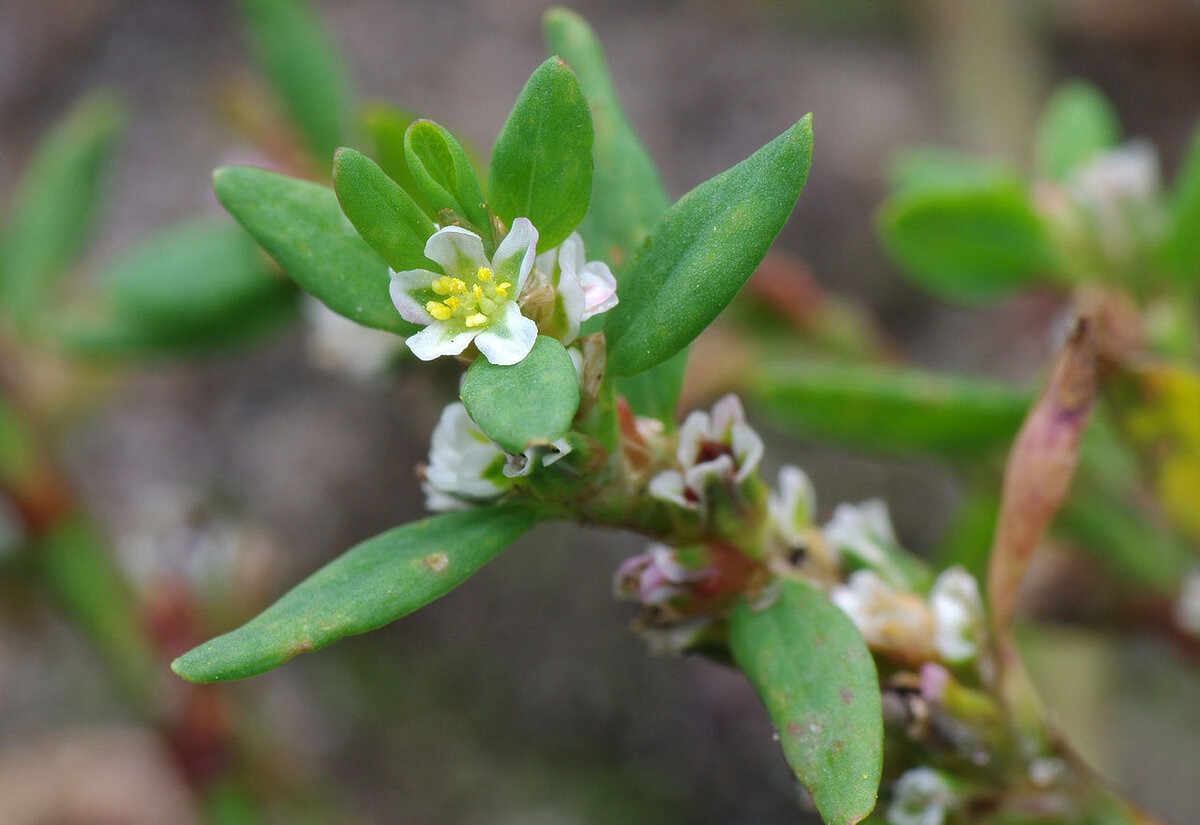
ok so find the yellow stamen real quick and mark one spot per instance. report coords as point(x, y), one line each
point(438, 310)
point(502, 289)
point(441, 285)
point(458, 285)
point(484, 274)
point(452, 302)
point(477, 320)
point(478, 291)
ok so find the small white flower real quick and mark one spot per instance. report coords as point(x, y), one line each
point(897, 621)
point(793, 506)
point(1118, 191)
point(340, 345)
point(475, 300)
point(865, 532)
point(717, 446)
point(921, 796)
point(584, 288)
point(958, 617)
point(1187, 607)
point(465, 466)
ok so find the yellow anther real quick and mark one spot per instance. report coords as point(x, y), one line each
point(441, 285)
point(478, 291)
point(458, 285)
point(502, 289)
point(452, 302)
point(477, 320)
point(438, 310)
point(484, 274)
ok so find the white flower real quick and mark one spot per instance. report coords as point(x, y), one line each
point(717, 446)
point(792, 508)
point(1118, 192)
point(865, 532)
point(465, 466)
point(584, 288)
point(475, 300)
point(338, 344)
point(1187, 607)
point(895, 620)
point(958, 618)
point(921, 796)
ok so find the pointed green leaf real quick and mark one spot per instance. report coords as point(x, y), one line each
point(816, 677)
point(966, 243)
point(892, 409)
point(541, 165)
point(627, 196)
point(1182, 246)
point(532, 401)
point(303, 64)
point(702, 252)
point(368, 586)
point(444, 174)
point(1077, 124)
point(56, 203)
point(385, 216)
point(385, 125)
point(302, 227)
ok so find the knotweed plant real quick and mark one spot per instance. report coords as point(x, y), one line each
point(570, 289)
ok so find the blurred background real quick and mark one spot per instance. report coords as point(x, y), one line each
point(521, 697)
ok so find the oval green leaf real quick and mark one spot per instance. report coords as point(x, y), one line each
point(541, 166)
point(891, 409)
point(385, 216)
point(445, 176)
point(816, 677)
point(305, 68)
point(703, 251)
point(368, 586)
point(56, 203)
point(532, 401)
point(301, 226)
point(966, 243)
point(1077, 124)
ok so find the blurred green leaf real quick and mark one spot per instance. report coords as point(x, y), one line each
point(1182, 246)
point(303, 64)
point(541, 165)
point(891, 409)
point(56, 203)
point(385, 216)
point(531, 401)
point(702, 252)
point(368, 586)
point(966, 243)
point(627, 196)
point(302, 227)
point(385, 125)
point(445, 177)
point(932, 167)
point(1077, 124)
point(816, 677)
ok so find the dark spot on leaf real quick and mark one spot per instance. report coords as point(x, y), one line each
point(847, 696)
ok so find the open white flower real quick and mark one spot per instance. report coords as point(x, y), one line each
point(921, 796)
point(958, 617)
point(720, 446)
point(864, 531)
point(465, 466)
point(475, 300)
point(584, 288)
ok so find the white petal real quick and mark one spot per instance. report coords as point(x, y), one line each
point(957, 615)
point(725, 414)
point(699, 477)
point(510, 337)
point(459, 251)
point(573, 304)
point(401, 288)
point(668, 486)
point(747, 450)
point(513, 260)
point(694, 430)
point(439, 338)
point(599, 289)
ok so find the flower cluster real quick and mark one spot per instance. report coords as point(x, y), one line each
point(478, 301)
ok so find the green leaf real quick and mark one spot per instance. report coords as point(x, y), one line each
point(1182, 246)
point(932, 167)
point(444, 175)
point(890, 409)
point(541, 165)
point(385, 125)
point(302, 227)
point(368, 586)
point(385, 216)
point(814, 673)
point(1077, 124)
point(304, 66)
point(56, 203)
point(627, 196)
point(704, 249)
point(966, 244)
point(532, 401)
